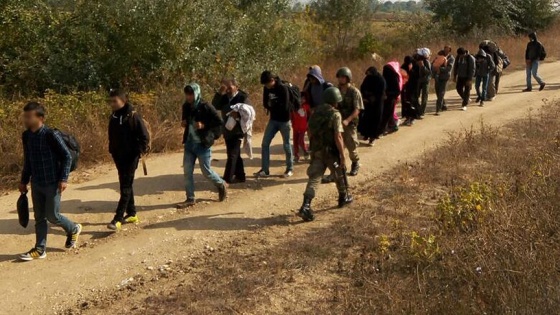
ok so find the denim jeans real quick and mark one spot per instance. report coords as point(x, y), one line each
point(194, 151)
point(272, 129)
point(482, 80)
point(46, 207)
point(533, 71)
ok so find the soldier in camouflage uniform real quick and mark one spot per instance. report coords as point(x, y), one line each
point(327, 151)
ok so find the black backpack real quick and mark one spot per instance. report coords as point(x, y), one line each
point(542, 54)
point(73, 146)
point(294, 95)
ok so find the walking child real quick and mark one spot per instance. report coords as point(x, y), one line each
point(299, 124)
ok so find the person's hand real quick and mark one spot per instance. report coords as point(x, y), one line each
point(62, 186)
point(184, 124)
point(345, 123)
point(199, 125)
point(222, 90)
point(23, 188)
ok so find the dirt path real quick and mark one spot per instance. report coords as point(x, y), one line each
point(104, 260)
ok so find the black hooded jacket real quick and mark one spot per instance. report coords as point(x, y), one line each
point(128, 136)
point(535, 49)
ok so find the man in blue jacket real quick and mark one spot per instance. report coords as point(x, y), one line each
point(47, 163)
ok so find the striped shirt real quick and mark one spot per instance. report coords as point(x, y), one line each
point(47, 159)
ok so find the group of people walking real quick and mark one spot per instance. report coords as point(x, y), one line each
point(332, 115)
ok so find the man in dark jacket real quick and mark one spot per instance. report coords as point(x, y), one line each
point(276, 101)
point(533, 55)
point(228, 95)
point(47, 163)
point(203, 126)
point(128, 140)
point(464, 71)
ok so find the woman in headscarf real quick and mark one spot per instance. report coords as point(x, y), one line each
point(411, 91)
point(393, 79)
point(373, 93)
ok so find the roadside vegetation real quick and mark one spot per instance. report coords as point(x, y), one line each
point(472, 228)
point(67, 54)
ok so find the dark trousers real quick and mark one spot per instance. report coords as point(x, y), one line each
point(126, 169)
point(388, 112)
point(234, 164)
point(464, 86)
point(441, 89)
point(424, 89)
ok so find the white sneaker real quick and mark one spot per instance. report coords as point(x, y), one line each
point(288, 174)
point(464, 108)
point(33, 254)
point(261, 173)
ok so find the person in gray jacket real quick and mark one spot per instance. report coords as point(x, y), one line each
point(442, 75)
point(484, 67)
point(463, 74)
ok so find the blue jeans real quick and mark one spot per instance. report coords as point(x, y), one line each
point(285, 129)
point(482, 80)
point(533, 71)
point(46, 207)
point(194, 151)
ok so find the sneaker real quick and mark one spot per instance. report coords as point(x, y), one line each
point(261, 173)
point(131, 219)
point(72, 239)
point(481, 103)
point(222, 192)
point(33, 254)
point(527, 90)
point(464, 108)
point(187, 204)
point(288, 174)
point(542, 86)
point(371, 143)
point(114, 225)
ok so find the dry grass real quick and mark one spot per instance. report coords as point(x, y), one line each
point(396, 253)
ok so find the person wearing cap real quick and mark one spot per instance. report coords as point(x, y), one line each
point(464, 71)
point(327, 151)
point(276, 101)
point(203, 126)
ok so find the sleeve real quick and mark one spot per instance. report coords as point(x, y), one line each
point(64, 155)
point(527, 52)
point(266, 104)
point(217, 101)
point(338, 123)
point(454, 72)
point(26, 172)
point(491, 64)
point(472, 65)
point(358, 101)
point(214, 117)
point(450, 65)
point(142, 133)
point(284, 99)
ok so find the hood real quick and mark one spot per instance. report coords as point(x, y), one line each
point(395, 66)
point(533, 36)
point(197, 95)
point(372, 71)
point(315, 71)
point(481, 53)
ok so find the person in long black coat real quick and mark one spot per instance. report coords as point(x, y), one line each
point(411, 91)
point(392, 93)
point(373, 93)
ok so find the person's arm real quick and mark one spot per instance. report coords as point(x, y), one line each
point(338, 139)
point(26, 172)
point(266, 97)
point(184, 115)
point(218, 101)
point(527, 57)
point(491, 64)
point(214, 118)
point(284, 98)
point(455, 66)
point(472, 67)
point(142, 133)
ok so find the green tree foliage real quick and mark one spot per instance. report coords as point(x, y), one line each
point(504, 15)
point(87, 44)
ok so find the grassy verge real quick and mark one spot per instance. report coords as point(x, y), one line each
point(471, 229)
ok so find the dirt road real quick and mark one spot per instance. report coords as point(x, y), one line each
point(105, 260)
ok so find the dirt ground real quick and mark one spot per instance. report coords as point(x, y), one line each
point(106, 261)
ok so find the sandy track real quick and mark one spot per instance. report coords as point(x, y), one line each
point(104, 259)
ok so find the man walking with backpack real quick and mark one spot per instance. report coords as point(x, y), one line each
point(47, 165)
point(534, 54)
point(484, 67)
point(463, 74)
point(203, 126)
point(276, 100)
point(128, 140)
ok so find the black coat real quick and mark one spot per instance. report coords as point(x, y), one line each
point(223, 104)
point(373, 92)
point(211, 119)
point(128, 136)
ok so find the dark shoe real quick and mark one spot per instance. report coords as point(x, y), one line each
point(327, 179)
point(444, 108)
point(355, 169)
point(72, 239)
point(542, 86)
point(222, 192)
point(238, 181)
point(478, 99)
point(481, 103)
point(187, 204)
point(437, 113)
point(305, 211)
point(528, 90)
point(344, 200)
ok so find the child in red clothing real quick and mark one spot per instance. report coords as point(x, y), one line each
point(299, 124)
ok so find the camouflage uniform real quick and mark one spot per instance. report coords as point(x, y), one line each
point(351, 100)
point(324, 153)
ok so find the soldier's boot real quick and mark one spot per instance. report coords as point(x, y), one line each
point(305, 211)
point(344, 200)
point(355, 169)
